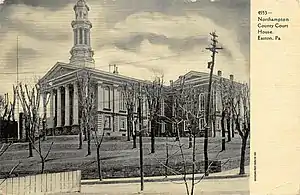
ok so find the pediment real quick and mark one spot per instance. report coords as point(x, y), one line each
point(59, 69)
point(192, 75)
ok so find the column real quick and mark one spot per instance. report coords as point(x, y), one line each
point(58, 107)
point(78, 34)
point(75, 36)
point(51, 109)
point(67, 105)
point(75, 104)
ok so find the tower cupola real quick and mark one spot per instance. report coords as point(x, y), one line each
point(81, 52)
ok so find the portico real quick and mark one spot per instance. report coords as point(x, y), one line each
point(63, 107)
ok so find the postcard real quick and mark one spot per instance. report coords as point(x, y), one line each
point(115, 97)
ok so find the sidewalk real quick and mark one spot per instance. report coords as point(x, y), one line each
point(234, 173)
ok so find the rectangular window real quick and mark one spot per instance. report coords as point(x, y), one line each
point(107, 122)
point(80, 35)
point(202, 102)
point(122, 123)
point(106, 97)
point(122, 101)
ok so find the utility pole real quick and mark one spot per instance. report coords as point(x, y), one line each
point(141, 137)
point(211, 64)
point(18, 104)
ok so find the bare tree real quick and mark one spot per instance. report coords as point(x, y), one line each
point(87, 101)
point(225, 97)
point(30, 101)
point(38, 147)
point(4, 147)
point(7, 111)
point(98, 142)
point(187, 112)
point(130, 97)
point(154, 97)
point(241, 109)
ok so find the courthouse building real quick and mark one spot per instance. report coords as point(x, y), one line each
point(199, 81)
point(61, 83)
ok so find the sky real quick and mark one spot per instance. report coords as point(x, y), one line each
point(144, 38)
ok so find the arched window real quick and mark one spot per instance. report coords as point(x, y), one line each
point(106, 97)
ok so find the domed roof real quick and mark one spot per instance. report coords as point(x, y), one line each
point(81, 3)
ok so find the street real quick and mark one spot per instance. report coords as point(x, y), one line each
point(235, 186)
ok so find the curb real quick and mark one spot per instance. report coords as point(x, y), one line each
point(137, 180)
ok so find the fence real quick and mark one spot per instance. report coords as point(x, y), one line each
point(42, 184)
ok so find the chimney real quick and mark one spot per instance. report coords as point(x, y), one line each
point(171, 83)
point(115, 69)
point(231, 77)
point(219, 73)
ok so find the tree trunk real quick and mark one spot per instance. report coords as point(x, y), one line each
point(232, 126)
point(30, 149)
point(99, 163)
point(44, 131)
point(167, 156)
point(85, 134)
point(128, 125)
point(80, 139)
point(223, 130)
point(214, 127)
point(190, 140)
point(134, 136)
point(89, 141)
point(228, 130)
point(43, 165)
point(177, 132)
point(153, 137)
point(243, 151)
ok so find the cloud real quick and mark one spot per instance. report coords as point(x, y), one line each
point(182, 32)
point(53, 4)
point(133, 42)
point(142, 37)
point(153, 58)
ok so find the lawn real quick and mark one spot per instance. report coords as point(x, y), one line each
point(118, 157)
